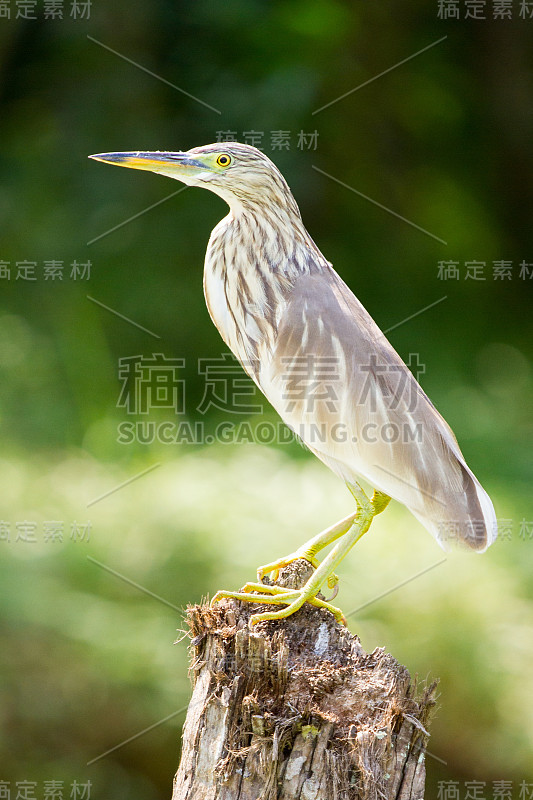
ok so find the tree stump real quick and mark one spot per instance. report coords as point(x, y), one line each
point(296, 710)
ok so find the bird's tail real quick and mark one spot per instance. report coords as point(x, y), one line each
point(466, 518)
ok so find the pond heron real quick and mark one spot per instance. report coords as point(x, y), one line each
point(324, 365)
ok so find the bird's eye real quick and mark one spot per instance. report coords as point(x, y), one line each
point(223, 160)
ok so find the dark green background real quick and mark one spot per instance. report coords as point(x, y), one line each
point(445, 141)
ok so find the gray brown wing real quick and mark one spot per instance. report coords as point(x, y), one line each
point(336, 380)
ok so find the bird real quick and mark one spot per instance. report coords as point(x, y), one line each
point(326, 368)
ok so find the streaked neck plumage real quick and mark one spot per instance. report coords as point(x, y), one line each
point(254, 257)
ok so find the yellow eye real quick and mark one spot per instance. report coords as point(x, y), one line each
point(223, 160)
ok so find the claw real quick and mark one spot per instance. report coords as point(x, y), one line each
point(302, 597)
point(335, 592)
point(276, 566)
point(292, 599)
point(333, 582)
point(272, 594)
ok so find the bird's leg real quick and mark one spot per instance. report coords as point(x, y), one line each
point(309, 550)
point(360, 523)
point(379, 501)
point(350, 529)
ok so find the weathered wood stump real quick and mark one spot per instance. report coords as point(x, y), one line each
point(296, 710)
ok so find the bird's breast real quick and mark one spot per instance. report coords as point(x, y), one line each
point(217, 303)
point(249, 275)
point(237, 305)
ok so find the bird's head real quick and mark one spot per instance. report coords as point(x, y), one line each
point(239, 173)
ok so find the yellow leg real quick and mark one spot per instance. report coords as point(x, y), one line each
point(309, 550)
point(351, 529)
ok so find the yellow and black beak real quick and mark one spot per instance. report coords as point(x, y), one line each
point(154, 161)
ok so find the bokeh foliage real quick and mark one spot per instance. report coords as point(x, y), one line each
point(445, 141)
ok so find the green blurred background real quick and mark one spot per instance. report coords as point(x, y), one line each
point(444, 140)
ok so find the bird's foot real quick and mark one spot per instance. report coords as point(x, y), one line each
point(293, 599)
point(275, 566)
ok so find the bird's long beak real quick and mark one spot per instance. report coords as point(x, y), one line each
point(155, 161)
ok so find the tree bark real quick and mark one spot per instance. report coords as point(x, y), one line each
point(296, 710)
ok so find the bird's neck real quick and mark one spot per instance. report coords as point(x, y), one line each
point(251, 266)
point(273, 245)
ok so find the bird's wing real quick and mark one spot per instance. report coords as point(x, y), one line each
point(339, 384)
